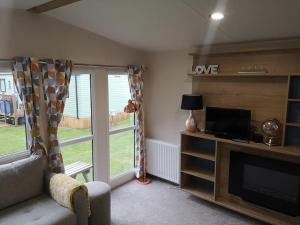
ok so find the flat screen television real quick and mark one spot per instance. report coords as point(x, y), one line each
point(228, 123)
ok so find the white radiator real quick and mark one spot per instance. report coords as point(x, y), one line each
point(163, 160)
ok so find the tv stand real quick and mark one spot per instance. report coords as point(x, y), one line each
point(240, 140)
point(205, 172)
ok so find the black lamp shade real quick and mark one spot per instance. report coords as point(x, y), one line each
point(192, 102)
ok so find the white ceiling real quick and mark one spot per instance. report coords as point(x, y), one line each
point(178, 24)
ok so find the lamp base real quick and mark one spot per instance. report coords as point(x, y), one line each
point(191, 124)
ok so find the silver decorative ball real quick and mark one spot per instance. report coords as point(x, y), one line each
point(271, 127)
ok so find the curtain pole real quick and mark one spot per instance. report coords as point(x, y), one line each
point(76, 64)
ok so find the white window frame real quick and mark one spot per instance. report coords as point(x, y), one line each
point(77, 140)
point(117, 131)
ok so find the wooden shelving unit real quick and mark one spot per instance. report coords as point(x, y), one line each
point(292, 126)
point(203, 193)
point(205, 172)
point(198, 166)
point(257, 212)
point(202, 155)
point(201, 173)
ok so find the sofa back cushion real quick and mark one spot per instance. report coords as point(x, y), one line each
point(21, 180)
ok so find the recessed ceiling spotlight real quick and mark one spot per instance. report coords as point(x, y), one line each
point(217, 16)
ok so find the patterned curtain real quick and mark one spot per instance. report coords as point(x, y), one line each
point(135, 79)
point(26, 75)
point(56, 80)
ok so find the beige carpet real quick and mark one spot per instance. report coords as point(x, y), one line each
point(161, 203)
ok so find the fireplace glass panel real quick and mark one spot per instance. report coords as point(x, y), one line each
point(271, 183)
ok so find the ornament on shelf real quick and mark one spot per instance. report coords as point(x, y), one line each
point(206, 69)
point(271, 130)
point(255, 69)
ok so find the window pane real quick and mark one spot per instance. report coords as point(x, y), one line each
point(81, 152)
point(76, 123)
point(77, 114)
point(119, 94)
point(12, 120)
point(121, 152)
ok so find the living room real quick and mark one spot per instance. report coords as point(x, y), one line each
point(149, 112)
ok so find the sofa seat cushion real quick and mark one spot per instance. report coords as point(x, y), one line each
point(42, 210)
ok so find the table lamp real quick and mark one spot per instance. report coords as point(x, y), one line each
point(191, 102)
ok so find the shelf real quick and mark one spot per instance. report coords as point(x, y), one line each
point(219, 75)
point(285, 150)
point(201, 155)
point(292, 136)
point(294, 100)
point(258, 212)
point(295, 74)
point(201, 173)
point(293, 124)
point(200, 192)
point(294, 89)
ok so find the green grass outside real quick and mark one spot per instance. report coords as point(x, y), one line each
point(12, 139)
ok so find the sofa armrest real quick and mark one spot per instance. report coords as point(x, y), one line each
point(99, 193)
point(47, 179)
point(80, 205)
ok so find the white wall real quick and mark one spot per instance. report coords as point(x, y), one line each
point(26, 34)
point(165, 82)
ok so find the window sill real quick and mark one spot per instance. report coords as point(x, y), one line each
point(120, 130)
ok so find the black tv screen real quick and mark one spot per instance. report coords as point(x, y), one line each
point(228, 123)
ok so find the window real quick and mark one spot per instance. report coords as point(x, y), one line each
point(12, 120)
point(2, 85)
point(121, 126)
point(75, 129)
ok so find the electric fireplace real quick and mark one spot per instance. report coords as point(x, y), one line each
point(266, 182)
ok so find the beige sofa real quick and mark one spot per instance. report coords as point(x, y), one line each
point(24, 198)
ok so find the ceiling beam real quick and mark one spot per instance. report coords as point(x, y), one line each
point(54, 4)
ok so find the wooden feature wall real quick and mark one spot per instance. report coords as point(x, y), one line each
point(265, 95)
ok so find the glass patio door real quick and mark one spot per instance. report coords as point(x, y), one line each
point(75, 130)
point(121, 126)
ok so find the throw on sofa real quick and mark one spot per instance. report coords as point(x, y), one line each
point(25, 200)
